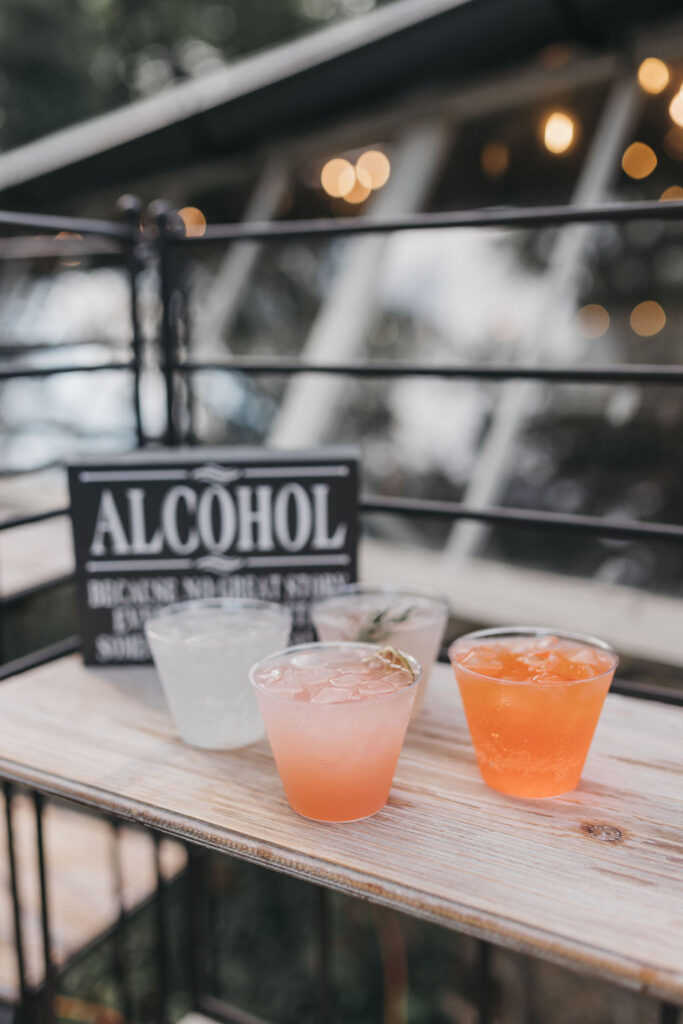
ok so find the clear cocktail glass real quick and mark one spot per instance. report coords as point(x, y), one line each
point(412, 619)
point(203, 651)
point(532, 698)
point(336, 715)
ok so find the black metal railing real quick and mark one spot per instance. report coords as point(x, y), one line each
point(172, 240)
point(91, 237)
point(169, 249)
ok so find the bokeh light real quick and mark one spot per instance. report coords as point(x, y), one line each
point(673, 143)
point(676, 108)
point(647, 319)
point(592, 321)
point(376, 166)
point(639, 160)
point(556, 55)
point(361, 190)
point(495, 159)
point(338, 177)
point(65, 261)
point(672, 192)
point(558, 132)
point(653, 75)
point(194, 221)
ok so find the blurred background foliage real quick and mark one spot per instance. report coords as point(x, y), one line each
point(62, 61)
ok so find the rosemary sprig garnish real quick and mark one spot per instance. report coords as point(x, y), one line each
point(379, 625)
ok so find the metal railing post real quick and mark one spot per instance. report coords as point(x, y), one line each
point(324, 954)
point(161, 924)
point(162, 214)
point(194, 930)
point(120, 959)
point(16, 904)
point(49, 988)
point(131, 208)
point(484, 984)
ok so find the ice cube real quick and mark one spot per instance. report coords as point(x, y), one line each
point(482, 661)
point(397, 679)
point(312, 676)
point(545, 660)
point(206, 640)
point(307, 659)
point(345, 680)
point(376, 687)
point(584, 656)
point(329, 695)
point(289, 690)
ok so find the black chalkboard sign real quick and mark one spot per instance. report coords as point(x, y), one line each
point(156, 527)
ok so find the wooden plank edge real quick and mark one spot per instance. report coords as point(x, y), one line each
point(522, 938)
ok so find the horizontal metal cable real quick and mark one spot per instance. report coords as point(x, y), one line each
point(493, 217)
point(32, 517)
point(7, 373)
point(637, 373)
point(10, 347)
point(37, 588)
point(80, 225)
point(7, 473)
point(69, 250)
point(625, 529)
point(41, 657)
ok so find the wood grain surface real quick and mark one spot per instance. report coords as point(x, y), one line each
point(593, 880)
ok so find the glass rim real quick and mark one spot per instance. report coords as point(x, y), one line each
point(498, 632)
point(399, 589)
point(317, 645)
point(230, 603)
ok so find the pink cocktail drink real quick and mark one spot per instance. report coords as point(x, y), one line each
point(336, 715)
point(413, 619)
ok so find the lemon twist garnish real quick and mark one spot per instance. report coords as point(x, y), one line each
point(396, 660)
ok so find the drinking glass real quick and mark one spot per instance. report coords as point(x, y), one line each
point(532, 698)
point(410, 618)
point(336, 715)
point(203, 651)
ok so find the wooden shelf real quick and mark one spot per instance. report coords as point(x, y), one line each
point(538, 876)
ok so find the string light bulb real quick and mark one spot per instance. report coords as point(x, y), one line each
point(376, 166)
point(558, 132)
point(495, 159)
point(63, 236)
point(338, 177)
point(592, 321)
point(676, 108)
point(193, 220)
point(639, 160)
point(653, 75)
point(672, 192)
point(647, 319)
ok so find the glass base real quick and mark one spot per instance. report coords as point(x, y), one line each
point(223, 748)
point(338, 821)
point(532, 796)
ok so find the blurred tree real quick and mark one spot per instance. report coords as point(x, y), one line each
point(64, 60)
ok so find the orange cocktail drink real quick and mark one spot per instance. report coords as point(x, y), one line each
point(532, 698)
point(336, 715)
